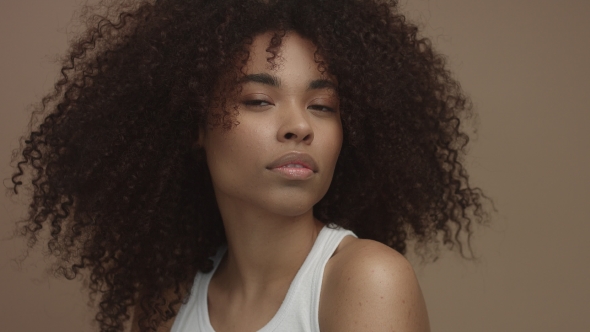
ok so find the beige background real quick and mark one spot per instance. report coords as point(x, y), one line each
point(526, 66)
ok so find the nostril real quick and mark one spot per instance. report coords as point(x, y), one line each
point(289, 135)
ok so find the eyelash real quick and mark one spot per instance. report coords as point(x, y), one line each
point(256, 102)
point(259, 102)
point(328, 109)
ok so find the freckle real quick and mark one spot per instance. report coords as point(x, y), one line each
point(404, 301)
point(381, 296)
point(348, 278)
point(360, 304)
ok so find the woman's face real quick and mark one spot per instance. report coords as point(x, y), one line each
point(281, 156)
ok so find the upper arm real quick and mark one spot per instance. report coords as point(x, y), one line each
point(371, 287)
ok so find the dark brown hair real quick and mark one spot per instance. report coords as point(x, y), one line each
point(116, 179)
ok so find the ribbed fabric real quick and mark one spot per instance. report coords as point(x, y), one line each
point(299, 310)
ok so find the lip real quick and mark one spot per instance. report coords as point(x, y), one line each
point(296, 158)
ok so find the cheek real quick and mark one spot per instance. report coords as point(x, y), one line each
point(232, 153)
point(334, 142)
point(221, 152)
point(332, 145)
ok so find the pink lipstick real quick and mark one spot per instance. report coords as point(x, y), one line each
point(294, 166)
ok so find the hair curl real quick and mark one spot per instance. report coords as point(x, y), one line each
point(112, 163)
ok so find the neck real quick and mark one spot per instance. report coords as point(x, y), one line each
point(264, 249)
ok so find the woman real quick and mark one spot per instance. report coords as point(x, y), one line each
point(211, 164)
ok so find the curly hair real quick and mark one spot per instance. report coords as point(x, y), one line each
point(124, 194)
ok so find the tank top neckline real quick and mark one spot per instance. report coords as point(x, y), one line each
point(203, 308)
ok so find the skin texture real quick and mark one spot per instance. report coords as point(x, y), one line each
point(274, 121)
point(370, 287)
point(268, 218)
point(117, 163)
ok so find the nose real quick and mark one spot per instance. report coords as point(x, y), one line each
point(295, 126)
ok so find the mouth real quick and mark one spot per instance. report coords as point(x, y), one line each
point(294, 160)
point(294, 166)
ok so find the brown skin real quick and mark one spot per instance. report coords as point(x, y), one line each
point(268, 217)
point(368, 286)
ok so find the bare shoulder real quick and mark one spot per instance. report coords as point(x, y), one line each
point(368, 286)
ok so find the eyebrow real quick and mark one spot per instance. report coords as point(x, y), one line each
point(262, 79)
point(322, 84)
point(274, 81)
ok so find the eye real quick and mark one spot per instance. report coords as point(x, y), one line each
point(256, 102)
point(322, 108)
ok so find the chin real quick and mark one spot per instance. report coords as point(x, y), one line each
point(292, 208)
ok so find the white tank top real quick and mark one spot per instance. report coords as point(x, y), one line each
point(299, 310)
